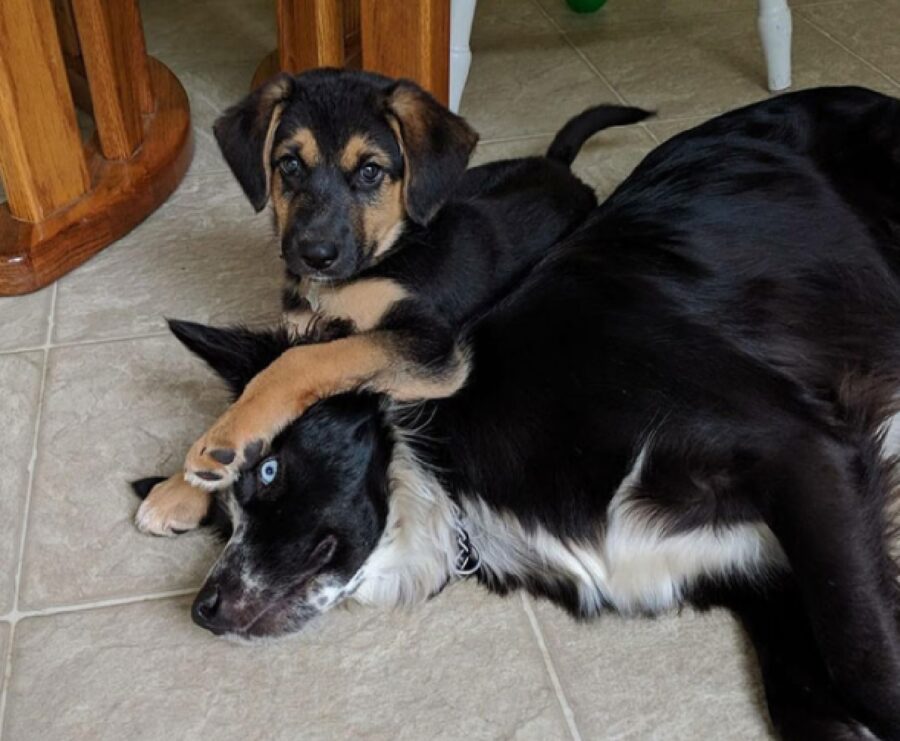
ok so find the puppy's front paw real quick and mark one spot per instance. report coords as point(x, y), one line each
point(216, 460)
point(172, 507)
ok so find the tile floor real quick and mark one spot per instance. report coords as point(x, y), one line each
point(95, 638)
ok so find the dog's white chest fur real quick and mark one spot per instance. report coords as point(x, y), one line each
point(631, 565)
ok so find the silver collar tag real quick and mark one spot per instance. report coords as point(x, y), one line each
point(467, 559)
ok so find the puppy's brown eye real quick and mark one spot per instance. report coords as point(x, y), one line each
point(289, 165)
point(370, 174)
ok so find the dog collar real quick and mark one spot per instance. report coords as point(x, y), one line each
point(467, 559)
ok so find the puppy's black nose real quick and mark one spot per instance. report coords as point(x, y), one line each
point(319, 255)
point(206, 606)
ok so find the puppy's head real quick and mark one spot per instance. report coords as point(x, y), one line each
point(306, 517)
point(346, 158)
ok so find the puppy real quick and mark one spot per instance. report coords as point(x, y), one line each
point(390, 247)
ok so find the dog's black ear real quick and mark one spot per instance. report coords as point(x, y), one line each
point(436, 147)
point(245, 133)
point(237, 354)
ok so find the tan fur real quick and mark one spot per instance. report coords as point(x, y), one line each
point(281, 205)
point(383, 219)
point(398, 134)
point(303, 142)
point(360, 149)
point(172, 505)
point(298, 322)
point(303, 375)
point(363, 302)
point(267, 146)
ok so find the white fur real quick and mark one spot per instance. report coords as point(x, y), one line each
point(632, 565)
point(649, 569)
point(415, 555)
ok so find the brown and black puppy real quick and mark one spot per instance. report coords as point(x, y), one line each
point(390, 244)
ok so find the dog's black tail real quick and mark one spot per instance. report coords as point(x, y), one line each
point(571, 137)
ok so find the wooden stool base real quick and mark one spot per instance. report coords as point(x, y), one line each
point(124, 193)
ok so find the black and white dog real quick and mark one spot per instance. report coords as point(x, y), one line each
point(685, 402)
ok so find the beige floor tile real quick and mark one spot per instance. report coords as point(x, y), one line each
point(704, 65)
point(871, 29)
point(462, 666)
point(20, 384)
point(113, 412)
point(604, 161)
point(182, 34)
point(204, 255)
point(527, 83)
point(678, 677)
point(508, 19)
point(23, 319)
point(212, 89)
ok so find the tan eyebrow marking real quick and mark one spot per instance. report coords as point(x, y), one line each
point(360, 147)
point(304, 142)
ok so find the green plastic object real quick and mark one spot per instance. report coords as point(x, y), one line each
point(585, 6)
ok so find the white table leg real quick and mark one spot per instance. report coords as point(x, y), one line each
point(462, 12)
point(775, 32)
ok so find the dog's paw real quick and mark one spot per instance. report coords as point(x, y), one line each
point(172, 507)
point(216, 460)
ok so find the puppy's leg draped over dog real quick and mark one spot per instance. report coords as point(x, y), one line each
point(389, 362)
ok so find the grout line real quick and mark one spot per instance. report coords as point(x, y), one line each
point(518, 137)
point(79, 343)
point(837, 42)
point(567, 712)
point(16, 615)
point(584, 58)
point(6, 676)
point(28, 492)
point(593, 67)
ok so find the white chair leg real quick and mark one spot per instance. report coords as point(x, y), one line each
point(775, 33)
point(462, 12)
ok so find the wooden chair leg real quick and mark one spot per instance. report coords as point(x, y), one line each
point(116, 65)
point(408, 39)
point(68, 200)
point(310, 34)
point(41, 155)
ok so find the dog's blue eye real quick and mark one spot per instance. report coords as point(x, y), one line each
point(268, 471)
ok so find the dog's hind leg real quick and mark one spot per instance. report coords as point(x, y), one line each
point(802, 702)
point(171, 506)
point(815, 495)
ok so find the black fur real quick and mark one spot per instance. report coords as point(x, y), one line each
point(241, 135)
point(465, 238)
point(571, 138)
point(733, 310)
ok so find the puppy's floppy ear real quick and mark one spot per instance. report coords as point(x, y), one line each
point(237, 354)
point(436, 147)
point(245, 132)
